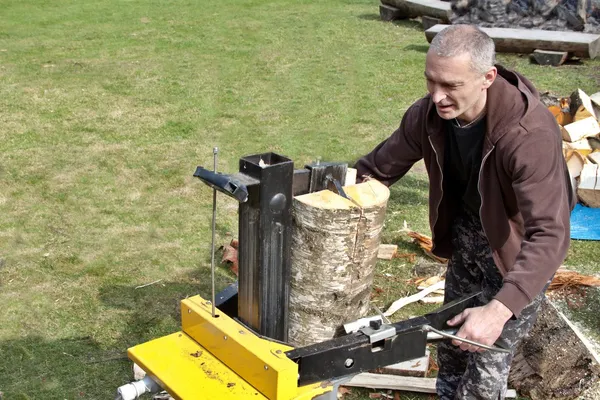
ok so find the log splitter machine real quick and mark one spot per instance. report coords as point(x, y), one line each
point(234, 345)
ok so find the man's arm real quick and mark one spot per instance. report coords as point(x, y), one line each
point(393, 157)
point(541, 189)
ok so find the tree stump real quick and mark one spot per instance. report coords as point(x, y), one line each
point(552, 362)
point(334, 251)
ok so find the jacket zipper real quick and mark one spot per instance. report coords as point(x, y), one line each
point(479, 187)
point(437, 207)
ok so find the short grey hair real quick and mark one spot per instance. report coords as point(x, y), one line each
point(459, 39)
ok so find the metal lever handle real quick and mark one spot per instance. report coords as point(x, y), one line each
point(432, 332)
point(223, 183)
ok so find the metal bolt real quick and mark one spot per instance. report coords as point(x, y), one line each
point(189, 311)
point(242, 332)
point(278, 351)
point(349, 362)
point(266, 367)
point(225, 337)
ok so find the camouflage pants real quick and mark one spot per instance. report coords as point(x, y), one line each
point(465, 375)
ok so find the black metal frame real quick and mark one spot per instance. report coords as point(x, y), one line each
point(265, 186)
point(356, 353)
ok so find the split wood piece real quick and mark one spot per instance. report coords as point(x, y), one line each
point(552, 362)
point(548, 57)
point(578, 100)
point(527, 40)
point(595, 99)
point(428, 22)
point(405, 383)
point(432, 300)
point(426, 244)
point(581, 146)
point(562, 112)
point(594, 157)
point(575, 163)
point(398, 304)
point(350, 177)
point(580, 129)
point(588, 190)
point(565, 278)
point(333, 256)
point(417, 367)
point(387, 251)
point(418, 8)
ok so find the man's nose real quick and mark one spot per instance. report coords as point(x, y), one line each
point(437, 96)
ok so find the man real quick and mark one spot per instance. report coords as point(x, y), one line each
point(499, 200)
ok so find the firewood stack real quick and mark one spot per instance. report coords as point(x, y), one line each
point(578, 117)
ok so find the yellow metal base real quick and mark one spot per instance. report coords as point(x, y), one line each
point(217, 358)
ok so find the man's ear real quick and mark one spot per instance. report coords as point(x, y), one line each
point(490, 77)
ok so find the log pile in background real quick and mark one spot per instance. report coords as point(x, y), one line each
point(578, 117)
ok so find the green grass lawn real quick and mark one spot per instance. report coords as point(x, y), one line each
point(107, 107)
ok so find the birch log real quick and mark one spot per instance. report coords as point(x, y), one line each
point(334, 251)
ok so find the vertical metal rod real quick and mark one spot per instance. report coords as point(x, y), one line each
point(212, 245)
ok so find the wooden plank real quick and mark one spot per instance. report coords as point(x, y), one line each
point(417, 367)
point(548, 57)
point(389, 13)
point(406, 383)
point(386, 251)
point(428, 22)
point(580, 129)
point(418, 8)
point(527, 40)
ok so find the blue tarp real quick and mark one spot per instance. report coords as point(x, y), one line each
point(585, 223)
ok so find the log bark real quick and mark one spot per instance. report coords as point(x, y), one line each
point(389, 13)
point(527, 40)
point(552, 362)
point(418, 8)
point(334, 252)
point(548, 57)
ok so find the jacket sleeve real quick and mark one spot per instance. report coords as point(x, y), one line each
point(394, 157)
point(543, 196)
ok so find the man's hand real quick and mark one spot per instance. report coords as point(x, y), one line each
point(481, 324)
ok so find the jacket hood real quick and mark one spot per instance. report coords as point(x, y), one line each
point(504, 111)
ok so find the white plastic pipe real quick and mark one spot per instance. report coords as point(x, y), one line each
point(134, 390)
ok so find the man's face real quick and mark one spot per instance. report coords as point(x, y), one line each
point(456, 90)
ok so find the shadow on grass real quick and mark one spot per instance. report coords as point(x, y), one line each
point(37, 368)
point(152, 311)
point(411, 190)
point(421, 48)
point(370, 17)
point(76, 368)
point(407, 23)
